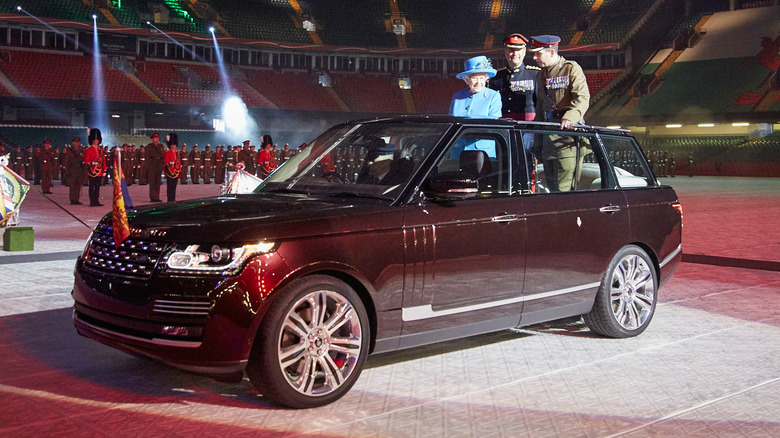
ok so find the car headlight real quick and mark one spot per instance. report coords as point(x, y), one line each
point(214, 259)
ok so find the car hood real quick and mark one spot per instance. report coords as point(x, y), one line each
point(248, 217)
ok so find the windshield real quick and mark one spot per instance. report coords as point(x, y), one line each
point(371, 159)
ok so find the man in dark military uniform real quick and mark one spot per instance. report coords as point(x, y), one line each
point(245, 156)
point(129, 153)
point(36, 162)
point(154, 167)
point(252, 163)
point(219, 165)
point(29, 164)
point(58, 164)
point(19, 160)
point(141, 158)
point(516, 81)
point(563, 97)
point(185, 164)
point(195, 165)
point(207, 158)
point(75, 173)
point(47, 167)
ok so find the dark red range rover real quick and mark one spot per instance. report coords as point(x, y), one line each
point(381, 235)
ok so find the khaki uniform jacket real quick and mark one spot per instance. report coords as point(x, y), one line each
point(565, 83)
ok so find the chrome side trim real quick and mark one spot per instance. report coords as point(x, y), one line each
point(155, 341)
point(669, 258)
point(426, 311)
point(562, 291)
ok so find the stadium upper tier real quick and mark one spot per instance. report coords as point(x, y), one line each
point(461, 24)
point(51, 75)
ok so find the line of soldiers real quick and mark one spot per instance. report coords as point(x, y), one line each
point(43, 164)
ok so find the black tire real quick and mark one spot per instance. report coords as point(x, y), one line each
point(296, 341)
point(625, 302)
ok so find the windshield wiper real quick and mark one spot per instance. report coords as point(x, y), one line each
point(286, 190)
point(358, 195)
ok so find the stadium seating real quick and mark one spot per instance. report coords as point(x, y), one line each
point(265, 20)
point(597, 80)
point(364, 28)
point(432, 95)
point(167, 80)
point(292, 90)
point(66, 76)
point(370, 93)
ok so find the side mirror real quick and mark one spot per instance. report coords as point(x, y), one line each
point(451, 185)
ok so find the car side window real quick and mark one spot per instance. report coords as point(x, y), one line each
point(482, 155)
point(626, 158)
point(564, 162)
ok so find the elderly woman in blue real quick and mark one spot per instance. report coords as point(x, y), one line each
point(478, 102)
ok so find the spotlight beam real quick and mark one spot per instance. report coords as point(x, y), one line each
point(98, 88)
point(190, 52)
point(223, 74)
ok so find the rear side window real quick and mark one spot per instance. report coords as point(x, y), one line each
point(564, 162)
point(631, 169)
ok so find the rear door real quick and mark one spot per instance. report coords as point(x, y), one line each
point(574, 226)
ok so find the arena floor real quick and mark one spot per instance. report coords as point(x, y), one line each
point(707, 366)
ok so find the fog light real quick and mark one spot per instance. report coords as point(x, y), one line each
point(175, 331)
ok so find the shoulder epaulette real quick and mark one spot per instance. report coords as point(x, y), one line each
point(532, 67)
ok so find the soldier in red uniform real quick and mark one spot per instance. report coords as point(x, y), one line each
point(95, 161)
point(47, 167)
point(266, 163)
point(172, 160)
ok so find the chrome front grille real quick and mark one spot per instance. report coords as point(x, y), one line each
point(194, 309)
point(134, 258)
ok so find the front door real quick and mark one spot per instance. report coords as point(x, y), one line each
point(465, 258)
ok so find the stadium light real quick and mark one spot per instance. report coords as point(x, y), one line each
point(211, 29)
point(94, 17)
point(18, 8)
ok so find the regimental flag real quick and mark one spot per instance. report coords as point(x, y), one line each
point(119, 221)
point(243, 181)
point(14, 188)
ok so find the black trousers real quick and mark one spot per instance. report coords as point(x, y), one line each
point(170, 187)
point(94, 189)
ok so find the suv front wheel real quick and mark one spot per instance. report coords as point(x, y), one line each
point(312, 343)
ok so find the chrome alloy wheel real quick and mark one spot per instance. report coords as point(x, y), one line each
point(320, 343)
point(632, 292)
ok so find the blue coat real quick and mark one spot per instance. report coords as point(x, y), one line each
point(483, 105)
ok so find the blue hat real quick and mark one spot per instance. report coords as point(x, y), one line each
point(542, 42)
point(478, 64)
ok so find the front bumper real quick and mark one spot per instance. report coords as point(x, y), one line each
point(200, 324)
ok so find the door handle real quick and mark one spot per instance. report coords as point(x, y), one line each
point(505, 218)
point(609, 209)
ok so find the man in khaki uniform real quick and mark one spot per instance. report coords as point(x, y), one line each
point(562, 96)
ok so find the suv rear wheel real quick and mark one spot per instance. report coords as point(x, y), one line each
point(312, 343)
point(625, 302)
